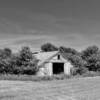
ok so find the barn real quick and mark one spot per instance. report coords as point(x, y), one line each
point(51, 63)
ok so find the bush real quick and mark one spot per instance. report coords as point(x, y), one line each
point(22, 63)
point(88, 52)
point(93, 62)
point(78, 63)
point(78, 71)
point(92, 56)
point(91, 74)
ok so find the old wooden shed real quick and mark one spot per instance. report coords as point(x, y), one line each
point(51, 63)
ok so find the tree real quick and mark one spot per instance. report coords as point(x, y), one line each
point(89, 52)
point(25, 54)
point(68, 50)
point(92, 56)
point(78, 63)
point(93, 62)
point(48, 47)
point(26, 63)
point(7, 52)
point(20, 63)
point(5, 55)
point(75, 58)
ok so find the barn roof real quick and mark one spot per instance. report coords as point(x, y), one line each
point(44, 56)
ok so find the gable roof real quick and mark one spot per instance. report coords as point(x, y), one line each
point(44, 56)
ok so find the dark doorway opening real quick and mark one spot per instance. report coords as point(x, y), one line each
point(58, 68)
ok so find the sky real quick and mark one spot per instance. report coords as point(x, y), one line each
point(69, 23)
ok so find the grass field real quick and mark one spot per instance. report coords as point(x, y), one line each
point(68, 89)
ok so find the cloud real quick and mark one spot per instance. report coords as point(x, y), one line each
point(33, 41)
point(74, 40)
point(61, 23)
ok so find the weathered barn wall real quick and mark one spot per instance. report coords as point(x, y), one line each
point(67, 68)
point(41, 72)
point(49, 69)
point(46, 70)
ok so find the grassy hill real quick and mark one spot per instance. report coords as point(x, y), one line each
point(70, 89)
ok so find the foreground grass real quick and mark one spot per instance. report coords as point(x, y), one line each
point(71, 89)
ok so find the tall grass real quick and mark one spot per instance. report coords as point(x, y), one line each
point(45, 78)
point(32, 77)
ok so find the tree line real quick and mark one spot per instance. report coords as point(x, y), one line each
point(86, 60)
point(24, 62)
